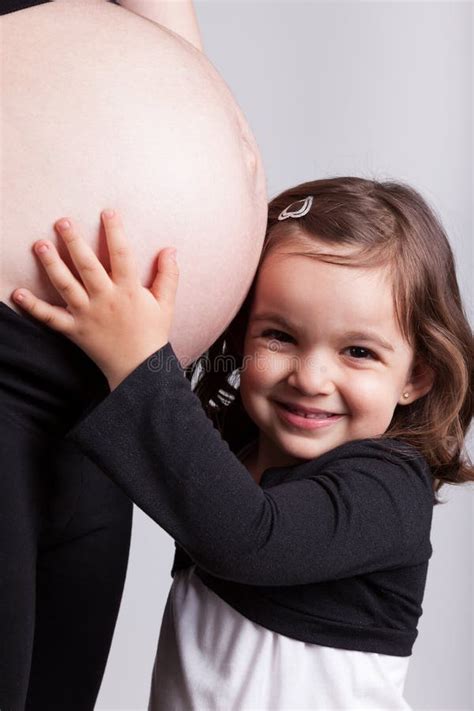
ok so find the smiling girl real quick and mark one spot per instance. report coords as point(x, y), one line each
point(298, 479)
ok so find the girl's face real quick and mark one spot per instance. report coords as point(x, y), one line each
point(321, 336)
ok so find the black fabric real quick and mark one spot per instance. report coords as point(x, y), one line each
point(7, 6)
point(332, 551)
point(64, 526)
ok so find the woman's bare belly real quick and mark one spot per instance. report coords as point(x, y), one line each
point(102, 108)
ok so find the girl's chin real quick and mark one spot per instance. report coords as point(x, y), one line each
point(299, 453)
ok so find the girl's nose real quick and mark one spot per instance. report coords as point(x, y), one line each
point(312, 375)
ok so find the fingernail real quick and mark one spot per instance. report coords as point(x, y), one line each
point(64, 224)
point(172, 255)
point(42, 248)
point(109, 213)
point(18, 297)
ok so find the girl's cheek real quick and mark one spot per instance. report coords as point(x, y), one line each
point(272, 367)
point(259, 361)
point(260, 372)
point(365, 391)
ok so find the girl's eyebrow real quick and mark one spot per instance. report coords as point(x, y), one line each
point(370, 336)
point(277, 318)
point(367, 335)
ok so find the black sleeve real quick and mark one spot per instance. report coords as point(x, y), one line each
point(364, 510)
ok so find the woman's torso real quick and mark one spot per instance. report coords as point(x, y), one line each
point(104, 108)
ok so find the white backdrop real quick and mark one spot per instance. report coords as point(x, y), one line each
point(373, 89)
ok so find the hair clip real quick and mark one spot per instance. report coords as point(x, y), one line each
point(299, 212)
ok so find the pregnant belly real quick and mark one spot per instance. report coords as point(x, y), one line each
point(104, 108)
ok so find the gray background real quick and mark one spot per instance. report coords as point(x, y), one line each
point(374, 89)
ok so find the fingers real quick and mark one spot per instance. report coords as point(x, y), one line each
point(93, 274)
point(55, 317)
point(165, 283)
point(60, 275)
point(122, 261)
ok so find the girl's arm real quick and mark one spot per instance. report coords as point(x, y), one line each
point(179, 16)
point(359, 508)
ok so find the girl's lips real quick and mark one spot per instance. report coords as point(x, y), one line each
point(305, 423)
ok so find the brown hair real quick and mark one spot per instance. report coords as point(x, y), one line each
point(390, 224)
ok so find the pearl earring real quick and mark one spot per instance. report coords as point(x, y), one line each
point(406, 395)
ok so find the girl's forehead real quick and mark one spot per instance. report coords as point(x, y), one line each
point(307, 286)
point(284, 270)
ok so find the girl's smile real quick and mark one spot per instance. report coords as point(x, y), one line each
point(305, 421)
point(321, 337)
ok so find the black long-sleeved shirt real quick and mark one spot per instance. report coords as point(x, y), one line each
point(333, 551)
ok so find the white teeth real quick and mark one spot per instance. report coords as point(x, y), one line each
point(315, 416)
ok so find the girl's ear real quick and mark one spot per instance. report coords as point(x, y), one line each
point(421, 381)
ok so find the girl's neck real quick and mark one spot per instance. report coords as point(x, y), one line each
point(257, 460)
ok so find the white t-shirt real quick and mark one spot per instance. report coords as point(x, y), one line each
point(212, 658)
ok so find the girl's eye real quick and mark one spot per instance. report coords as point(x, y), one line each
point(270, 333)
point(361, 353)
point(356, 352)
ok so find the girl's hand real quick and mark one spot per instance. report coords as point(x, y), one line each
point(114, 319)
